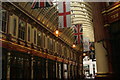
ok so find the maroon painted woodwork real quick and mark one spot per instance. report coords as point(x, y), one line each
point(22, 48)
point(112, 15)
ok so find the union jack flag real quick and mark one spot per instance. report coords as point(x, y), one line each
point(78, 33)
point(41, 4)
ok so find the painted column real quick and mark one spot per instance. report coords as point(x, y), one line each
point(81, 66)
point(72, 71)
point(8, 66)
point(100, 36)
point(68, 70)
point(46, 69)
point(57, 70)
point(32, 68)
point(60, 71)
point(101, 60)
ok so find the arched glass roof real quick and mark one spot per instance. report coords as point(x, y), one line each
point(81, 13)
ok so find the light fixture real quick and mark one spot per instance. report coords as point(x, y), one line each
point(73, 45)
point(84, 54)
point(57, 32)
point(39, 34)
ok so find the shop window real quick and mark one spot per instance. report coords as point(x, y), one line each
point(20, 66)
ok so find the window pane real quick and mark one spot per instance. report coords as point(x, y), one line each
point(21, 33)
point(29, 33)
point(39, 41)
point(35, 36)
point(4, 20)
point(4, 13)
point(14, 30)
point(51, 45)
point(3, 26)
point(44, 38)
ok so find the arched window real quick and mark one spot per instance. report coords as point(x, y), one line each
point(44, 38)
point(21, 32)
point(39, 39)
point(60, 48)
point(48, 43)
point(35, 36)
point(14, 25)
point(51, 44)
point(4, 19)
point(65, 51)
point(29, 32)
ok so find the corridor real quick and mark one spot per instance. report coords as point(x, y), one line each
point(60, 40)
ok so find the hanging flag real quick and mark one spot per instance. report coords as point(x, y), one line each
point(64, 14)
point(41, 4)
point(78, 34)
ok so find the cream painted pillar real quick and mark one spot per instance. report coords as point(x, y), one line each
point(81, 65)
point(8, 65)
point(46, 42)
point(65, 68)
point(32, 35)
point(101, 58)
point(69, 70)
point(11, 24)
point(46, 69)
point(57, 70)
point(32, 68)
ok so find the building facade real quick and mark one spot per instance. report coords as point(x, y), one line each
point(30, 50)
